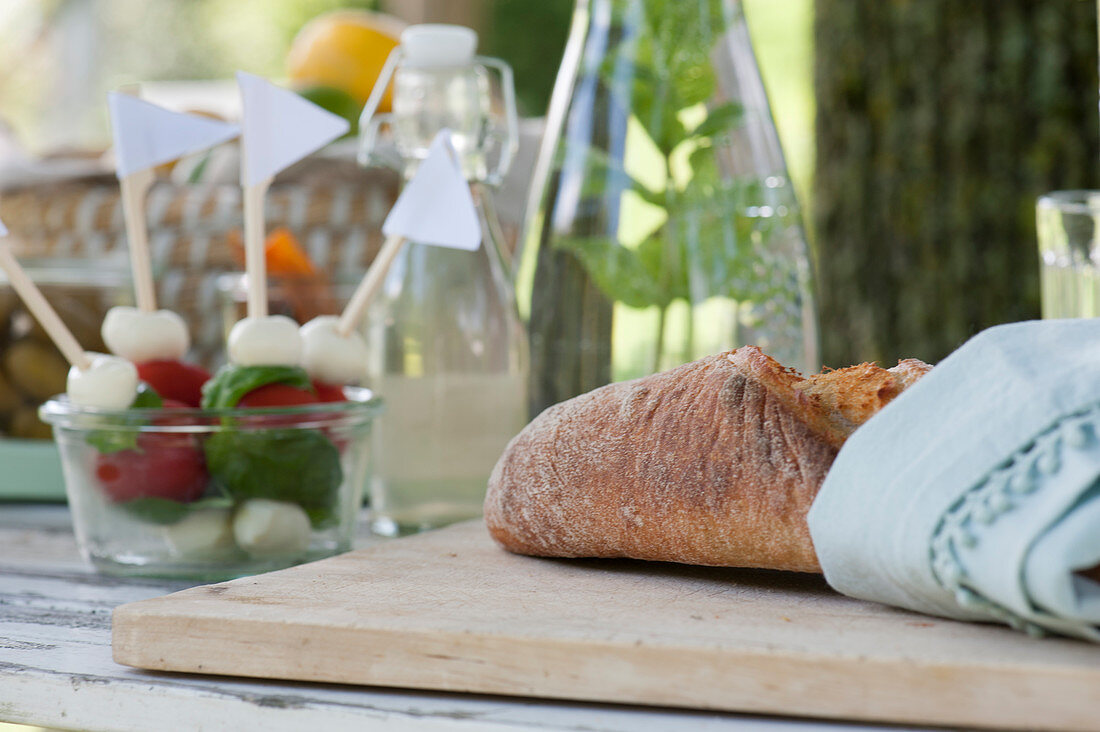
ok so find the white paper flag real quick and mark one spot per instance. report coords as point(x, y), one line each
point(147, 135)
point(279, 128)
point(436, 206)
point(3, 229)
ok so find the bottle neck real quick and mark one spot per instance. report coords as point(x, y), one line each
point(429, 99)
point(704, 17)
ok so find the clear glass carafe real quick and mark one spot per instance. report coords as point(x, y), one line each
point(662, 225)
point(447, 347)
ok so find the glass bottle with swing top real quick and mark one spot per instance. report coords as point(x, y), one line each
point(447, 348)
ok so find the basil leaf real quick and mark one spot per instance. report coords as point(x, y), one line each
point(164, 511)
point(147, 398)
point(155, 510)
point(232, 382)
point(298, 466)
point(108, 441)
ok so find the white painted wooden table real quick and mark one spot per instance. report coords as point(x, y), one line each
point(56, 668)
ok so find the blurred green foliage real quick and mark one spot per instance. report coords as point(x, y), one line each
point(531, 37)
point(127, 42)
point(220, 36)
point(939, 124)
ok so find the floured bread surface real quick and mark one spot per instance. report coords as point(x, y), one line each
point(715, 462)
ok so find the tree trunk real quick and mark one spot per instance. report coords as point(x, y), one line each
point(939, 122)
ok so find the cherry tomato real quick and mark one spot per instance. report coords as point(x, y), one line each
point(169, 415)
point(163, 466)
point(329, 392)
point(283, 395)
point(175, 380)
point(277, 395)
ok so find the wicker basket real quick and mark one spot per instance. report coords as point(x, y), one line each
point(190, 230)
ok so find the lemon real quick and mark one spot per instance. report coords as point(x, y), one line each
point(345, 50)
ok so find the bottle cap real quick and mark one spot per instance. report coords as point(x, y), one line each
point(436, 44)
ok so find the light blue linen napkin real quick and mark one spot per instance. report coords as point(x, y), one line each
point(976, 493)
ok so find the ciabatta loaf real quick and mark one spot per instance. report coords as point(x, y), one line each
point(715, 462)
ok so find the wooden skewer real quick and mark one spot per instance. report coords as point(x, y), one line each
point(254, 255)
point(46, 316)
point(134, 187)
point(372, 280)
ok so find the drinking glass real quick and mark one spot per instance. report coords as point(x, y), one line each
point(1069, 258)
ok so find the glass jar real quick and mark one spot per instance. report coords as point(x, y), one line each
point(661, 226)
point(448, 351)
point(32, 369)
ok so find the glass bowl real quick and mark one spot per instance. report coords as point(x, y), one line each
point(211, 494)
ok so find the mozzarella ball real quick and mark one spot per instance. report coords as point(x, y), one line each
point(206, 533)
point(266, 528)
point(331, 357)
point(140, 337)
point(268, 341)
point(110, 382)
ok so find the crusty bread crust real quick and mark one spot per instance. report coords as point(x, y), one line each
point(849, 397)
point(715, 462)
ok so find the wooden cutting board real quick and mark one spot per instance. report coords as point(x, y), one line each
point(451, 611)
